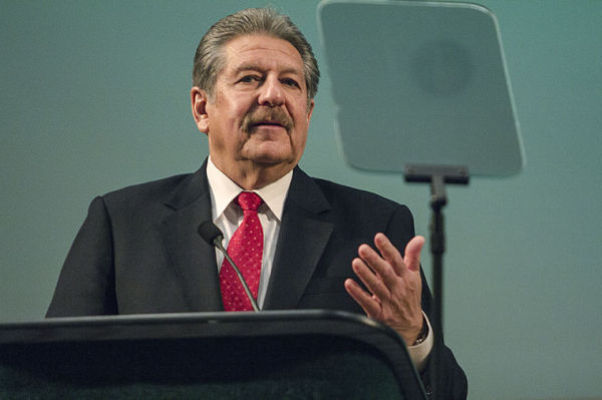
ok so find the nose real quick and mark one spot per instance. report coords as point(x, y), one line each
point(271, 93)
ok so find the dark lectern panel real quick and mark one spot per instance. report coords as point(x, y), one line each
point(187, 368)
point(295, 361)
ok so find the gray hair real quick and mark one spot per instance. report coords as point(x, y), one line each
point(209, 59)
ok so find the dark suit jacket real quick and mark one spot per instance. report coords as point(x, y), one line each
point(138, 251)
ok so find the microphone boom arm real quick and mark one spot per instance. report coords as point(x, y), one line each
point(214, 236)
point(217, 242)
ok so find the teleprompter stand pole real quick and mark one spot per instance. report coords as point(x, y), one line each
point(437, 176)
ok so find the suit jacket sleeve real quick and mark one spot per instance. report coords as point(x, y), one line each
point(86, 283)
point(452, 384)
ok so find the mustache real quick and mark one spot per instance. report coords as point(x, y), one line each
point(267, 115)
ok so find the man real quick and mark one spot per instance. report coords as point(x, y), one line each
point(255, 78)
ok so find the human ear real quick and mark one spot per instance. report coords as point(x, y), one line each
point(198, 103)
point(310, 109)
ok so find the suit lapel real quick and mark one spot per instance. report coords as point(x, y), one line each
point(192, 259)
point(303, 236)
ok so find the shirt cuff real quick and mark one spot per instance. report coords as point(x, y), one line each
point(420, 352)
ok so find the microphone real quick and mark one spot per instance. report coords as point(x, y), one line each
point(212, 235)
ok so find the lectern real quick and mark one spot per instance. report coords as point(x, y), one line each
point(268, 355)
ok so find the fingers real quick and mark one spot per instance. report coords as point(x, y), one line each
point(375, 272)
point(370, 277)
point(380, 272)
point(393, 284)
point(412, 253)
point(389, 252)
point(367, 302)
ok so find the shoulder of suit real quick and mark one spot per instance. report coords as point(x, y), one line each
point(158, 186)
point(148, 197)
point(336, 192)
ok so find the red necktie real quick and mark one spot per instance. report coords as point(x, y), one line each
point(246, 250)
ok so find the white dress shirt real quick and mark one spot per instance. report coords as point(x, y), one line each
point(228, 216)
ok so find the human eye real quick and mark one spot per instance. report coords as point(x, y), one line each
point(291, 82)
point(250, 78)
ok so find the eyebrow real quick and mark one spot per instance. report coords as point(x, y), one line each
point(255, 67)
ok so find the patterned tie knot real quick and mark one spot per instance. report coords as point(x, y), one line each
point(249, 201)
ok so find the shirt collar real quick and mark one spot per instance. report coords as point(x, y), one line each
point(224, 190)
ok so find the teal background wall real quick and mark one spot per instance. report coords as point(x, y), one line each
point(94, 96)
